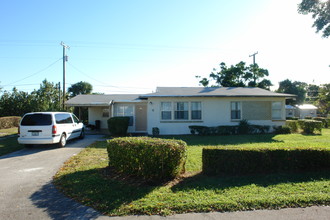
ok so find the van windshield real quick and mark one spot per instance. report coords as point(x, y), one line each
point(37, 119)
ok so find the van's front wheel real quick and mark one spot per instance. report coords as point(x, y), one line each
point(62, 142)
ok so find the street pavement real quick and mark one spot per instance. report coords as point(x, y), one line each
point(27, 192)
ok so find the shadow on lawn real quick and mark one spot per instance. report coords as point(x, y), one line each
point(212, 140)
point(91, 188)
point(202, 182)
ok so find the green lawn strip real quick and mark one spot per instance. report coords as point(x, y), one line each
point(83, 179)
point(8, 131)
point(8, 145)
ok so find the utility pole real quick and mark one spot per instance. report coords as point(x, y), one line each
point(65, 59)
point(59, 95)
point(254, 63)
point(254, 57)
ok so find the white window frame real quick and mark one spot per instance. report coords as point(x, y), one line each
point(237, 110)
point(199, 109)
point(120, 113)
point(174, 109)
point(166, 109)
point(277, 110)
point(181, 113)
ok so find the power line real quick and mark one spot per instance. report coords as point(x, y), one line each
point(50, 65)
point(87, 74)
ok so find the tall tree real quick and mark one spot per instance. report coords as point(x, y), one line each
point(312, 93)
point(320, 11)
point(47, 97)
point(296, 88)
point(80, 88)
point(324, 99)
point(238, 75)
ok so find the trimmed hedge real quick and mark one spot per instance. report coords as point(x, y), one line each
point(118, 125)
point(9, 122)
point(152, 159)
point(235, 161)
point(310, 126)
point(229, 129)
point(325, 121)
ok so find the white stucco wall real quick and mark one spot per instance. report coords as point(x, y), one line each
point(215, 111)
point(95, 113)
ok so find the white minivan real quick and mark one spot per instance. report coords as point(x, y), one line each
point(49, 128)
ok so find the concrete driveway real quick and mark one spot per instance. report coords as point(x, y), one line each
point(26, 191)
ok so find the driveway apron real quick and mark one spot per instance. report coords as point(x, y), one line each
point(26, 191)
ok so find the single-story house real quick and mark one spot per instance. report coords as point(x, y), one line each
point(174, 109)
point(306, 110)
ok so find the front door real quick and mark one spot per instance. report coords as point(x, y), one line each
point(141, 117)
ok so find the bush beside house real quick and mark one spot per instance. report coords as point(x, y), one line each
point(152, 159)
point(9, 122)
point(118, 125)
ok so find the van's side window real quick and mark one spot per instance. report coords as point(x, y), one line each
point(63, 118)
point(76, 120)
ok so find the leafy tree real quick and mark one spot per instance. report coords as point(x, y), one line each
point(14, 103)
point(324, 99)
point(46, 98)
point(296, 88)
point(80, 88)
point(17, 103)
point(312, 93)
point(239, 75)
point(320, 11)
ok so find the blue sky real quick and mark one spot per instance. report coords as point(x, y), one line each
point(134, 46)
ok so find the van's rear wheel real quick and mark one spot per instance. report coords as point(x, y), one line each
point(82, 134)
point(62, 142)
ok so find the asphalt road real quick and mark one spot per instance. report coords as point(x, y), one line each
point(26, 191)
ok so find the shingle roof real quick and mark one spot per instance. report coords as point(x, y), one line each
point(101, 100)
point(106, 100)
point(214, 92)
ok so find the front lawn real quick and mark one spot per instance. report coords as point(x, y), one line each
point(84, 179)
point(8, 141)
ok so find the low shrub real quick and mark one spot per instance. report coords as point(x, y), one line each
point(152, 159)
point(200, 130)
point(9, 122)
point(292, 118)
point(282, 129)
point(325, 121)
point(310, 126)
point(293, 125)
point(241, 161)
point(118, 125)
point(243, 128)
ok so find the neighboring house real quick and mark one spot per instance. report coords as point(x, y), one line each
point(306, 110)
point(174, 109)
point(290, 111)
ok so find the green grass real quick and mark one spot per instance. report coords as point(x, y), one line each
point(8, 143)
point(8, 131)
point(83, 179)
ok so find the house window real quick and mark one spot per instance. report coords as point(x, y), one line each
point(181, 111)
point(166, 110)
point(125, 110)
point(276, 110)
point(235, 110)
point(196, 110)
point(106, 113)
